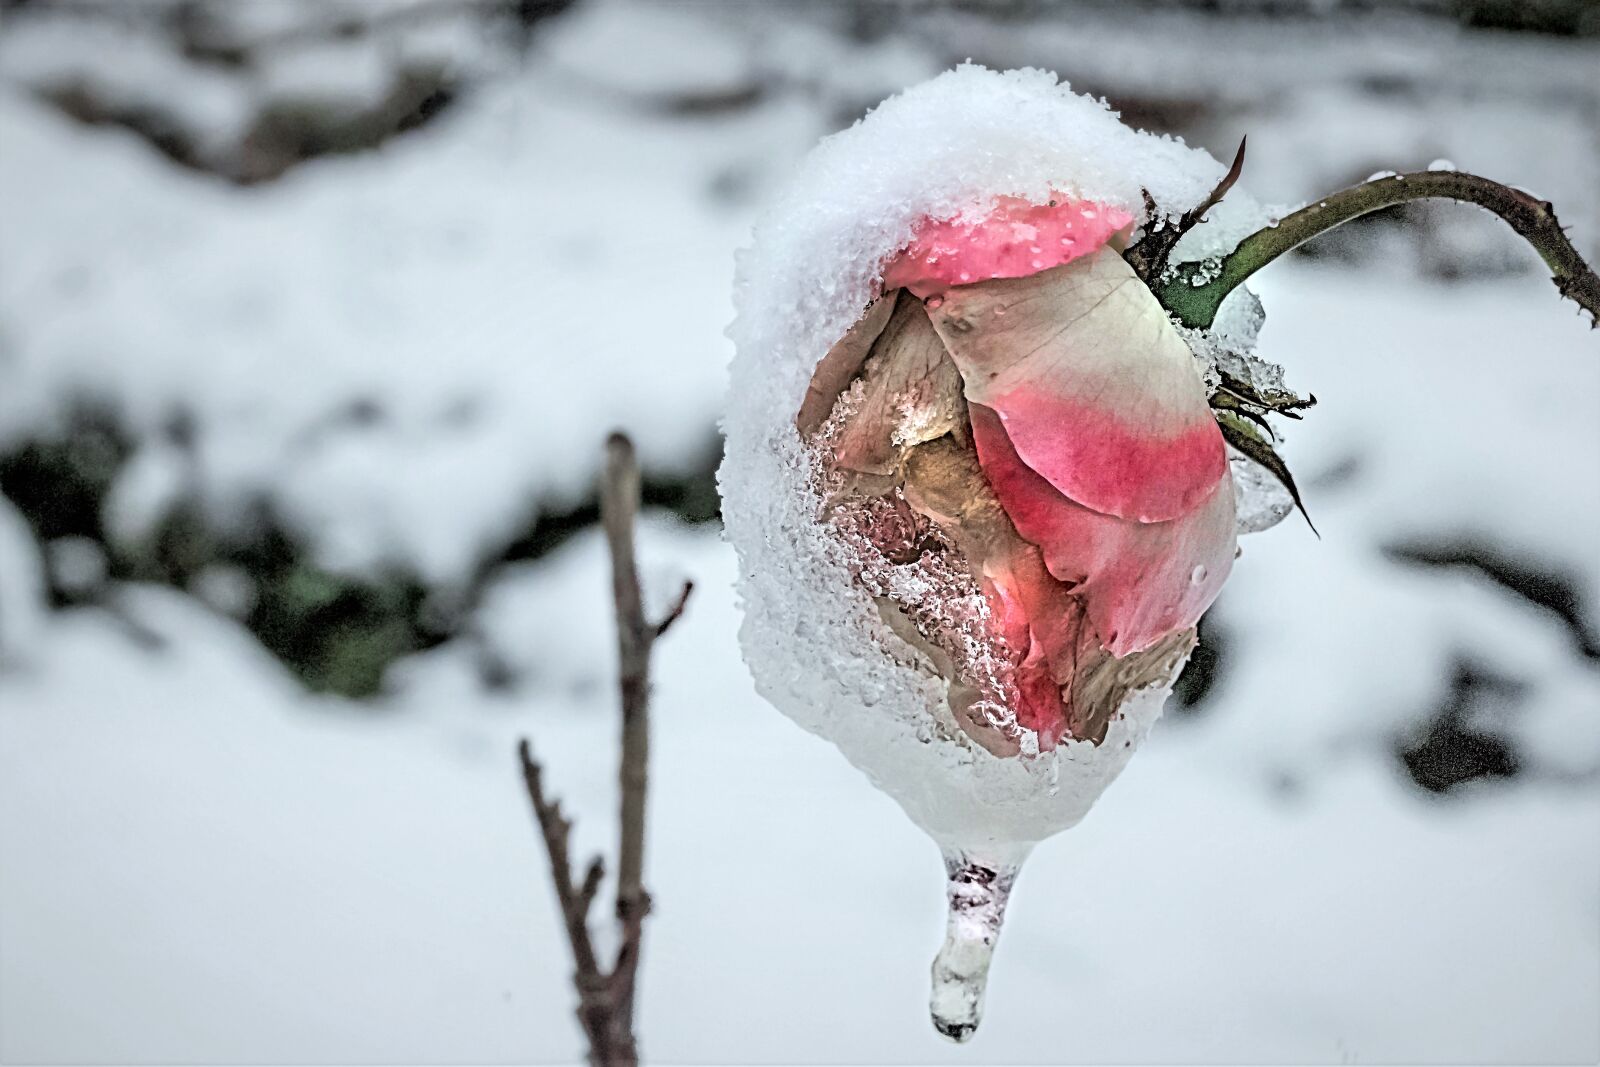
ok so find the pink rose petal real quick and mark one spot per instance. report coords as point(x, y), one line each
point(1013, 240)
point(1139, 581)
point(1099, 393)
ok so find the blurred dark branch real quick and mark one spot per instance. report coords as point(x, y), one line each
point(1194, 291)
point(606, 997)
point(205, 39)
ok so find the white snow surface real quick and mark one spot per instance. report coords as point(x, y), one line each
point(814, 640)
point(204, 865)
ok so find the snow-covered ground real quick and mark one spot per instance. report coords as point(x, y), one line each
point(200, 862)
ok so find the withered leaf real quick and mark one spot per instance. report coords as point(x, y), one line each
point(1248, 440)
point(1243, 394)
point(1223, 400)
point(1102, 682)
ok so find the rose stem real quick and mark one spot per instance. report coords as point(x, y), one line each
point(1533, 219)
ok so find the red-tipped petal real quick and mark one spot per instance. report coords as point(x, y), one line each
point(1138, 581)
point(1013, 240)
point(1098, 392)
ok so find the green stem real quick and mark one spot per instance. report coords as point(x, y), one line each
point(1534, 220)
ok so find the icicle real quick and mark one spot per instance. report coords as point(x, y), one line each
point(978, 892)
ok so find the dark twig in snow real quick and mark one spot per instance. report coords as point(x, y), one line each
point(1194, 291)
point(1149, 256)
point(606, 996)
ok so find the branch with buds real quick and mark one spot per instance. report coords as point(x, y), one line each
point(606, 995)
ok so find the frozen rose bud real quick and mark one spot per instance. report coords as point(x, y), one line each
point(1020, 455)
point(976, 492)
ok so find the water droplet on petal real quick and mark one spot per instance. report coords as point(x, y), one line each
point(934, 302)
point(965, 276)
point(1038, 264)
point(1197, 575)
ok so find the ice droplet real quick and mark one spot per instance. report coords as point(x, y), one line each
point(978, 893)
point(1441, 164)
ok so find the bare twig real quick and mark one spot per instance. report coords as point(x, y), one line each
point(593, 1011)
point(606, 997)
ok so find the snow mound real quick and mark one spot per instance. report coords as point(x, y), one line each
point(813, 639)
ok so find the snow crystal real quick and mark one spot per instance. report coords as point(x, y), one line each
point(813, 638)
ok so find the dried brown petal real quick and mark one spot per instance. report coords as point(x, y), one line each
point(841, 365)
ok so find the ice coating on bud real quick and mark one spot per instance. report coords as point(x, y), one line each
point(984, 614)
point(820, 642)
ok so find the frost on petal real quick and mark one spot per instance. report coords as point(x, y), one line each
point(1139, 581)
point(1013, 239)
point(927, 538)
point(1098, 392)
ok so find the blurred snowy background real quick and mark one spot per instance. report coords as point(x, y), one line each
point(312, 319)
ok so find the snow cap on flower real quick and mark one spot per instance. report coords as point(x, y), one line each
point(895, 481)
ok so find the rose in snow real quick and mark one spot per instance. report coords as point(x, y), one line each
point(979, 521)
point(973, 475)
point(1016, 433)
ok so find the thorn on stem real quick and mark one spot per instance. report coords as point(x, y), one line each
point(676, 610)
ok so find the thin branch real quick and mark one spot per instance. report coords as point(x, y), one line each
point(606, 998)
point(1195, 291)
point(594, 1009)
point(619, 503)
